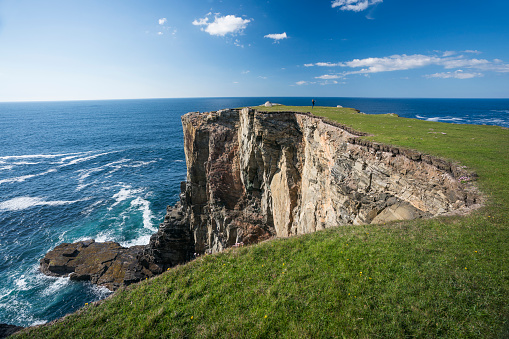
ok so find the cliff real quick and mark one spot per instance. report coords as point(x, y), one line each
point(253, 175)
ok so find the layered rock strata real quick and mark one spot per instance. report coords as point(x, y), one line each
point(255, 175)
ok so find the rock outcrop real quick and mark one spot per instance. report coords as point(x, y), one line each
point(255, 175)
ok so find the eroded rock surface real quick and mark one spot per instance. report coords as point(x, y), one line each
point(254, 175)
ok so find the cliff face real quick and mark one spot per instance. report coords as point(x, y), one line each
point(254, 175)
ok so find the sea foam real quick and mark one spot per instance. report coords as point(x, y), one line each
point(21, 203)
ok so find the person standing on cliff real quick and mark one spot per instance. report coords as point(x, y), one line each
point(313, 102)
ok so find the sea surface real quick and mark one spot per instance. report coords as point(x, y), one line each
point(106, 170)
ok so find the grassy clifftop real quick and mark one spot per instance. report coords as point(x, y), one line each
point(444, 277)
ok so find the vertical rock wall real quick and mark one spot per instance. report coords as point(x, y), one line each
point(252, 175)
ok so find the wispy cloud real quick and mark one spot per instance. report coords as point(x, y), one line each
point(162, 21)
point(277, 36)
point(459, 74)
point(472, 51)
point(448, 60)
point(448, 53)
point(222, 25)
point(354, 5)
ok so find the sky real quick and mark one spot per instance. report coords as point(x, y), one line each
point(125, 49)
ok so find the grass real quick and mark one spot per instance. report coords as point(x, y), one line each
point(443, 277)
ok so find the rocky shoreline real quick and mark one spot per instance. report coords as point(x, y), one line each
point(255, 175)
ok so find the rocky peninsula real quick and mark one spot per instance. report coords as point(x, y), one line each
point(255, 175)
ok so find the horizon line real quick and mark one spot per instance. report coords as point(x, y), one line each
point(239, 97)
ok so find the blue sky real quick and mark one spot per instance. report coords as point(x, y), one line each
point(121, 49)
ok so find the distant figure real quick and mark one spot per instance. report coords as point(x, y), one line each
point(313, 102)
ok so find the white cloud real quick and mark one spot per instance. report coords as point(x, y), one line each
point(327, 64)
point(392, 63)
point(245, 72)
point(448, 60)
point(302, 82)
point(460, 62)
point(354, 5)
point(162, 21)
point(472, 51)
point(222, 25)
point(276, 36)
point(459, 74)
point(159, 33)
point(264, 78)
point(329, 76)
point(237, 43)
point(201, 22)
point(448, 53)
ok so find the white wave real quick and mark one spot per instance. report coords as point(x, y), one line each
point(90, 157)
point(125, 193)
point(73, 156)
point(21, 283)
point(21, 203)
point(493, 121)
point(6, 168)
point(444, 119)
point(420, 117)
point(91, 208)
point(141, 163)
point(100, 292)
point(104, 236)
point(25, 177)
point(178, 160)
point(144, 206)
point(36, 156)
point(56, 285)
point(19, 163)
point(501, 111)
point(143, 240)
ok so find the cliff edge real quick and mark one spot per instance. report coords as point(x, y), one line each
point(255, 175)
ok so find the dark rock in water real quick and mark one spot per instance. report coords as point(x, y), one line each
point(111, 265)
point(104, 264)
point(7, 330)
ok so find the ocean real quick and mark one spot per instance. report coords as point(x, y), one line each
point(106, 170)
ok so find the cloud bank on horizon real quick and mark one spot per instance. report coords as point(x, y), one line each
point(325, 48)
point(448, 60)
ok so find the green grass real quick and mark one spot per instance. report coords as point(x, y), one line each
point(443, 277)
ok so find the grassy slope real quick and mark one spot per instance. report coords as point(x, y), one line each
point(445, 277)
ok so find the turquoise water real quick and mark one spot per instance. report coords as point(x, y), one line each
point(106, 170)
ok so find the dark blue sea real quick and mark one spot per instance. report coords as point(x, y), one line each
point(106, 170)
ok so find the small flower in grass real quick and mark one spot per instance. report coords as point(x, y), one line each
point(191, 317)
point(465, 268)
point(86, 304)
point(265, 316)
point(464, 179)
point(475, 251)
